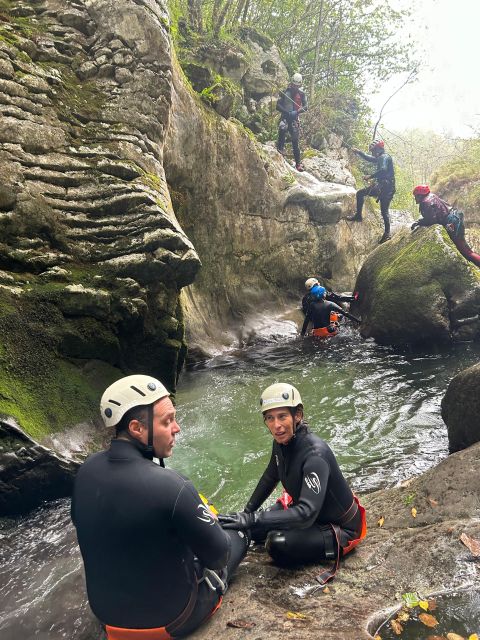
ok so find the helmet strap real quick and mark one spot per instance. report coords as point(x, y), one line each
point(149, 453)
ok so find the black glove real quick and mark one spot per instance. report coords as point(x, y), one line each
point(239, 520)
point(414, 226)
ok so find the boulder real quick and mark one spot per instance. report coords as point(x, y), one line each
point(461, 409)
point(417, 288)
point(30, 473)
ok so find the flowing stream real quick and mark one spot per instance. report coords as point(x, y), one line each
point(378, 407)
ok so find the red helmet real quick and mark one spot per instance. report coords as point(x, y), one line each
point(377, 144)
point(421, 190)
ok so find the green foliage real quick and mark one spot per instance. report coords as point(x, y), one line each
point(458, 180)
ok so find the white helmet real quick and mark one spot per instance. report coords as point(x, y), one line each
point(129, 392)
point(311, 282)
point(279, 395)
point(297, 79)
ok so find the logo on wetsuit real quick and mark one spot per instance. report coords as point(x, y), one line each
point(206, 514)
point(276, 460)
point(312, 481)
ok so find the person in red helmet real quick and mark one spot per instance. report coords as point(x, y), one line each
point(382, 184)
point(434, 210)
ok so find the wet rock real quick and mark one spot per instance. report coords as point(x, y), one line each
point(461, 408)
point(417, 288)
point(29, 472)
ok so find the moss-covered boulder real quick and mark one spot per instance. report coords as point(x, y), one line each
point(461, 409)
point(417, 288)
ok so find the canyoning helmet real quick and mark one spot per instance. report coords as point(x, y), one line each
point(297, 79)
point(421, 190)
point(127, 393)
point(280, 395)
point(318, 291)
point(310, 282)
point(377, 145)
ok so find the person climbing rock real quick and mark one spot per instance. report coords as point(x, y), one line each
point(291, 104)
point(434, 210)
point(317, 517)
point(323, 314)
point(156, 559)
point(330, 295)
point(382, 184)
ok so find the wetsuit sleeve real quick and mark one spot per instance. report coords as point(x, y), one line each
point(365, 156)
point(303, 514)
point(304, 106)
point(308, 317)
point(281, 106)
point(200, 531)
point(265, 486)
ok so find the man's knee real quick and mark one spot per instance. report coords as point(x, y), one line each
point(276, 545)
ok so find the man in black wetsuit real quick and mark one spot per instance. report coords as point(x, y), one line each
point(331, 296)
point(382, 184)
point(319, 314)
point(319, 518)
point(155, 556)
point(291, 104)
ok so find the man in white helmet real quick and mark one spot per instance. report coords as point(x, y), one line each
point(330, 295)
point(156, 559)
point(318, 517)
point(291, 104)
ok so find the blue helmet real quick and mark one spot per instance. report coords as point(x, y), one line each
point(318, 291)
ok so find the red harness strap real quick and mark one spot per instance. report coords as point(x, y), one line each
point(329, 574)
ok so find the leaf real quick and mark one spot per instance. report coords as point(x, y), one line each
point(377, 637)
point(423, 604)
point(472, 544)
point(240, 624)
point(428, 620)
point(326, 590)
point(411, 599)
point(436, 638)
point(474, 636)
point(294, 615)
point(396, 626)
point(454, 636)
point(403, 616)
point(414, 512)
point(432, 604)
point(381, 521)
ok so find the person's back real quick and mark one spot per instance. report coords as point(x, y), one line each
point(319, 312)
point(138, 524)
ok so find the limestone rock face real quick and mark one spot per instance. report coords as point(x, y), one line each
point(87, 228)
point(461, 409)
point(417, 288)
point(259, 226)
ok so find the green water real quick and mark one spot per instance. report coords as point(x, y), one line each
point(378, 407)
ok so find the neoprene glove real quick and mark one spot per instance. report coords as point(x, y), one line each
point(239, 520)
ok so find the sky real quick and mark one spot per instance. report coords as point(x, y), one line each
point(446, 96)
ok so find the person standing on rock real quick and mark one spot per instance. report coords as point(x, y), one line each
point(434, 210)
point(156, 559)
point(317, 517)
point(382, 184)
point(291, 104)
point(323, 314)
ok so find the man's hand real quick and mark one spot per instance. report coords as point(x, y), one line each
point(240, 520)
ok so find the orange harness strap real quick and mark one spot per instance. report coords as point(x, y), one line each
point(117, 633)
point(330, 331)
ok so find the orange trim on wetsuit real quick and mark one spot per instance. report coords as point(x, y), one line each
point(331, 330)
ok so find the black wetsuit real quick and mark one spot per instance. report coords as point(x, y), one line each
point(291, 103)
point(331, 296)
point(382, 188)
point(145, 537)
point(318, 313)
point(309, 472)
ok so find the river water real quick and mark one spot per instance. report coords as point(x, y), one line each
point(378, 407)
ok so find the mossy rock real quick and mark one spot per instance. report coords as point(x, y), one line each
point(418, 288)
point(461, 407)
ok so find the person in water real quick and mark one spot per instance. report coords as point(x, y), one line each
point(323, 314)
point(331, 296)
point(291, 104)
point(156, 559)
point(382, 184)
point(434, 210)
point(318, 517)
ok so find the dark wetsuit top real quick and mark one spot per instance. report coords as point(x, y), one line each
point(434, 210)
point(319, 314)
point(292, 99)
point(331, 296)
point(139, 527)
point(384, 175)
point(309, 472)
